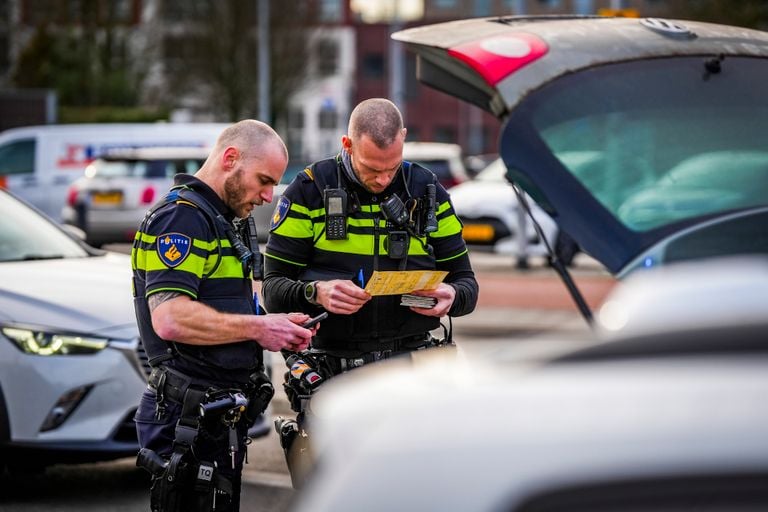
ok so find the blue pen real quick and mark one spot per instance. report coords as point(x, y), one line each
point(360, 278)
point(256, 302)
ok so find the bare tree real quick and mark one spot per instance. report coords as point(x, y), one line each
point(219, 61)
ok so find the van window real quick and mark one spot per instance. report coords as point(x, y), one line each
point(17, 157)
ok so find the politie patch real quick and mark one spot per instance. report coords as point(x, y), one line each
point(281, 212)
point(173, 248)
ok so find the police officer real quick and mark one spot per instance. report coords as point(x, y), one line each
point(192, 281)
point(363, 210)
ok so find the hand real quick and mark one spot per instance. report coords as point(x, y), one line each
point(341, 296)
point(444, 293)
point(284, 332)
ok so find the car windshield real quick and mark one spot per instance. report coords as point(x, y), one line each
point(659, 141)
point(26, 235)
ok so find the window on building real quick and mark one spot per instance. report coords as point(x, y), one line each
point(296, 118)
point(373, 66)
point(445, 134)
point(5, 61)
point(412, 84)
point(482, 8)
point(444, 4)
point(327, 56)
point(184, 10)
point(331, 11)
point(17, 157)
point(328, 118)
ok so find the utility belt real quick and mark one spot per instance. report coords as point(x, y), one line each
point(170, 384)
point(359, 349)
point(342, 361)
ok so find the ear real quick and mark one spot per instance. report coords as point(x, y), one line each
point(346, 143)
point(229, 158)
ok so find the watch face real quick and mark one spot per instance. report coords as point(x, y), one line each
point(309, 291)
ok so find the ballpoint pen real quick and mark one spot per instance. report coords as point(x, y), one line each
point(256, 302)
point(360, 278)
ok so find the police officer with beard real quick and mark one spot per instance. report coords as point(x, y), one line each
point(193, 295)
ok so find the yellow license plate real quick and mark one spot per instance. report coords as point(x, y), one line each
point(478, 233)
point(106, 198)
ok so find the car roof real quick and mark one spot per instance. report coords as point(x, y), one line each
point(157, 153)
point(501, 64)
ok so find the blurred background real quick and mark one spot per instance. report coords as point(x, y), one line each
point(300, 65)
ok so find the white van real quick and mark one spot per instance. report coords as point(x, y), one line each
point(38, 163)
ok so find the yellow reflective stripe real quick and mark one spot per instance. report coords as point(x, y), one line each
point(295, 228)
point(442, 207)
point(448, 226)
point(285, 260)
point(230, 266)
point(149, 261)
point(355, 244)
point(453, 257)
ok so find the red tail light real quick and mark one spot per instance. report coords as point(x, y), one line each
point(148, 195)
point(72, 196)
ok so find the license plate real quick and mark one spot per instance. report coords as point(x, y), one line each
point(478, 233)
point(107, 198)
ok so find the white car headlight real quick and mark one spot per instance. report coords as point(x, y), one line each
point(46, 343)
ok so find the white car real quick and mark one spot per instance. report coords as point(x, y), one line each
point(117, 189)
point(665, 411)
point(493, 218)
point(71, 368)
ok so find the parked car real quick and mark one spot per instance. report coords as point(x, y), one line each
point(661, 413)
point(443, 159)
point(71, 367)
point(493, 218)
point(38, 163)
point(609, 125)
point(108, 202)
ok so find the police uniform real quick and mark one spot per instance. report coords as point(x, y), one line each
point(300, 252)
point(180, 248)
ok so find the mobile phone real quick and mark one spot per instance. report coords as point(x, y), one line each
point(312, 321)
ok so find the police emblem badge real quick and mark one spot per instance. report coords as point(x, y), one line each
point(281, 212)
point(173, 248)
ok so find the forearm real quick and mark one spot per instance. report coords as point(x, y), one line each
point(184, 320)
point(281, 289)
point(462, 278)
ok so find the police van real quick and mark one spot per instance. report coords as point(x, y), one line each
point(38, 163)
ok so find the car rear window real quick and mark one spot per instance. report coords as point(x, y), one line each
point(660, 141)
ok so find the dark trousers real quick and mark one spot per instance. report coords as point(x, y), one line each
point(157, 432)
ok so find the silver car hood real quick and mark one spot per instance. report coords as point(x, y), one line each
point(75, 294)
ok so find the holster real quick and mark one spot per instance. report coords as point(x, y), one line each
point(259, 395)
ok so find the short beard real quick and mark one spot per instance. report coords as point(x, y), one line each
point(234, 192)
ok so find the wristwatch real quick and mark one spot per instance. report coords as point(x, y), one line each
point(310, 293)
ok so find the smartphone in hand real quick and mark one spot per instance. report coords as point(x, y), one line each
point(313, 321)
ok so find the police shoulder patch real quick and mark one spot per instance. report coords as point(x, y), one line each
point(282, 208)
point(173, 248)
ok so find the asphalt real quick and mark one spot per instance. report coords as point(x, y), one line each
point(514, 304)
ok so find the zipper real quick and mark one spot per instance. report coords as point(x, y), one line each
point(375, 316)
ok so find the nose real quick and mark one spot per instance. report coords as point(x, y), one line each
point(266, 195)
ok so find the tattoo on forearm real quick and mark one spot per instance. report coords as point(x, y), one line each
point(158, 298)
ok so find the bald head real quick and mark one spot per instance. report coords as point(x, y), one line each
point(252, 138)
point(377, 118)
point(247, 161)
